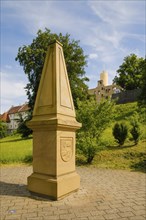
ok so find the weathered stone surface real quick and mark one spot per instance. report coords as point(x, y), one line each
point(54, 125)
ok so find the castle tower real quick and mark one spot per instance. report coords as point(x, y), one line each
point(104, 78)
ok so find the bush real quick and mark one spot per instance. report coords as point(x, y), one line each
point(135, 131)
point(87, 146)
point(120, 132)
point(95, 118)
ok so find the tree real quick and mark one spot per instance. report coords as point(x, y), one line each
point(32, 58)
point(130, 73)
point(135, 132)
point(142, 97)
point(22, 128)
point(95, 118)
point(120, 132)
point(135, 127)
point(3, 129)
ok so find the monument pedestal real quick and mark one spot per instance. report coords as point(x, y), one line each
point(54, 125)
point(54, 172)
point(54, 188)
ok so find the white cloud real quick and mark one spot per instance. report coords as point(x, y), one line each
point(8, 67)
point(12, 91)
point(93, 56)
point(54, 15)
point(117, 13)
point(102, 26)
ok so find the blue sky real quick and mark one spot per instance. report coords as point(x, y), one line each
point(108, 31)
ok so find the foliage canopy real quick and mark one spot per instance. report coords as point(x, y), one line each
point(3, 129)
point(32, 57)
point(130, 73)
point(142, 97)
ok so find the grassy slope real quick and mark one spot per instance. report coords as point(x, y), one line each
point(129, 156)
point(16, 150)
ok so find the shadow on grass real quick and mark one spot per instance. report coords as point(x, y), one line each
point(27, 160)
point(117, 147)
point(140, 166)
point(16, 140)
point(81, 162)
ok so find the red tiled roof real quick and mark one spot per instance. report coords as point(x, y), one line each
point(5, 117)
point(24, 108)
point(20, 108)
point(14, 109)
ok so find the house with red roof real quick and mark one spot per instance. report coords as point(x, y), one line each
point(13, 115)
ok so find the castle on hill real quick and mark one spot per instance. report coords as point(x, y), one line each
point(103, 90)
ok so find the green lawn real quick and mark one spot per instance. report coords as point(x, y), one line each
point(14, 149)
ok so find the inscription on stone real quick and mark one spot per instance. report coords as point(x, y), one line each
point(66, 148)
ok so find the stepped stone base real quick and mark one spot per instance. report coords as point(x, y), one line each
point(51, 187)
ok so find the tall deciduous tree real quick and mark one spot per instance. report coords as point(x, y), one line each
point(32, 57)
point(142, 97)
point(129, 74)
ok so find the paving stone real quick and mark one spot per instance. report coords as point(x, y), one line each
point(138, 207)
point(111, 216)
point(137, 218)
point(125, 209)
point(126, 214)
point(103, 194)
point(140, 212)
point(67, 216)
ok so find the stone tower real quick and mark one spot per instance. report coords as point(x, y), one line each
point(104, 78)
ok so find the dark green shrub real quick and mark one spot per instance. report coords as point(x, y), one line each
point(135, 131)
point(22, 127)
point(135, 120)
point(120, 132)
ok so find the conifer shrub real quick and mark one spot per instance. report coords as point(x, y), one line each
point(120, 132)
point(135, 132)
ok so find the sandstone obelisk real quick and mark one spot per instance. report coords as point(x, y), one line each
point(54, 125)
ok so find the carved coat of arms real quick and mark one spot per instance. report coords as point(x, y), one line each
point(66, 148)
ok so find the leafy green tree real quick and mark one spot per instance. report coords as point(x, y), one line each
point(120, 132)
point(95, 118)
point(3, 129)
point(130, 73)
point(142, 97)
point(32, 57)
point(22, 128)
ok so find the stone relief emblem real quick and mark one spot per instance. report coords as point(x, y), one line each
point(66, 148)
